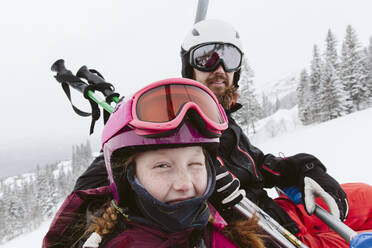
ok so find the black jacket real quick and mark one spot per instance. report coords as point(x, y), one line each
point(255, 170)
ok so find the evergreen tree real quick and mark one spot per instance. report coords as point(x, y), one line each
point(303, 96)
point(267, 106)
point(251, 110)
point(15, 213)
point(3, 224)
point(277, 103)
point(368, 66)
point(88, 150)
point(34, 209)
point(25, 203)
point(369, 56)
point(314, 83)
point(330, 91)
point(45, 191)
point(353, 72)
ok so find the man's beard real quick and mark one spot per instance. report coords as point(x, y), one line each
point(226, 95)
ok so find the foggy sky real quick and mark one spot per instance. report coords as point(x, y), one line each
point(133, 43)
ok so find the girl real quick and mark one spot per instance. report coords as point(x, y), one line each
point(159, 148)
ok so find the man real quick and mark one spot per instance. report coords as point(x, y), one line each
point(212, 54)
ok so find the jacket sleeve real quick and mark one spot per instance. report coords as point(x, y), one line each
point(288, 171)
point(94, 177)
point(272, 171)
point(65, 228)
point(271, 168)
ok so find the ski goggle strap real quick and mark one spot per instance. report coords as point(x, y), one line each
point(207, 57)
point(163, 106)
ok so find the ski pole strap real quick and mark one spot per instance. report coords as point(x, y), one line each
point(67, 80)
point(66, 89)
point(96, 82)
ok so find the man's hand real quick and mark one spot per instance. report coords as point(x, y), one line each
point(315, 182)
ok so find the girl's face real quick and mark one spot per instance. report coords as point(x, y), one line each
point(173, 175)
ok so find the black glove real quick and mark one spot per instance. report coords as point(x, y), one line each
point(227, 192)
point(314, 181)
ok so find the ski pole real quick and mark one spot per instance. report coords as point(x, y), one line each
point(66, 76)
point(280, 236)
point(335, 224)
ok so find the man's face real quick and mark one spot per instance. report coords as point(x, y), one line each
point(218, 80)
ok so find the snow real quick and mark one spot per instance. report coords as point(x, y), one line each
point(343, 145)
point(20, 179)
point(32, 239)
point(279, 88)
point(63, 166)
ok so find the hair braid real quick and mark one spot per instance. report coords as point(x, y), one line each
point(246, 233)
point(106, 223)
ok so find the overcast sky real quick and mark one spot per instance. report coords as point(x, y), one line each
point(133, 43)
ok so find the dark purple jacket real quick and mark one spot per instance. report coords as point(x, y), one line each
point(136, 235)
point(140, 236)
point(74, 207)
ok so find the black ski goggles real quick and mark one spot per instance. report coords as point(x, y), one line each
point(207, 57)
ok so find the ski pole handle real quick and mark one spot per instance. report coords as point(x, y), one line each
point(63, 75)
point(93, 78)
point(66, 76)
point(335, 224)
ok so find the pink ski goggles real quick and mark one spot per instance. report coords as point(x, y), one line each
point(162, 106)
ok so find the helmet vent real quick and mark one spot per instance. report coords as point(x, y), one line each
point(237, 35)
point(195, 32)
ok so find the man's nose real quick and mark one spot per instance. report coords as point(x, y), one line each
point(219, 69)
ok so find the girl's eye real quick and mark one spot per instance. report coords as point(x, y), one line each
point(161, 166)
point(197, 164)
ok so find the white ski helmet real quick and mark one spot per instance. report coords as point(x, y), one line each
point(208, 31)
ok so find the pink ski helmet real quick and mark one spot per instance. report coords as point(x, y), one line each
point(194, 126)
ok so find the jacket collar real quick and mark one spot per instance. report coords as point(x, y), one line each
point(233, 108)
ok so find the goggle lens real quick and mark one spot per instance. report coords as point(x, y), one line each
point(207, 57)
point(163, 103)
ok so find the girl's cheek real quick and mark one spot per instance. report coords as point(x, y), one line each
point(200, 181)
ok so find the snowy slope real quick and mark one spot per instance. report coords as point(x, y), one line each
point(31, 240)
point(343, 145)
